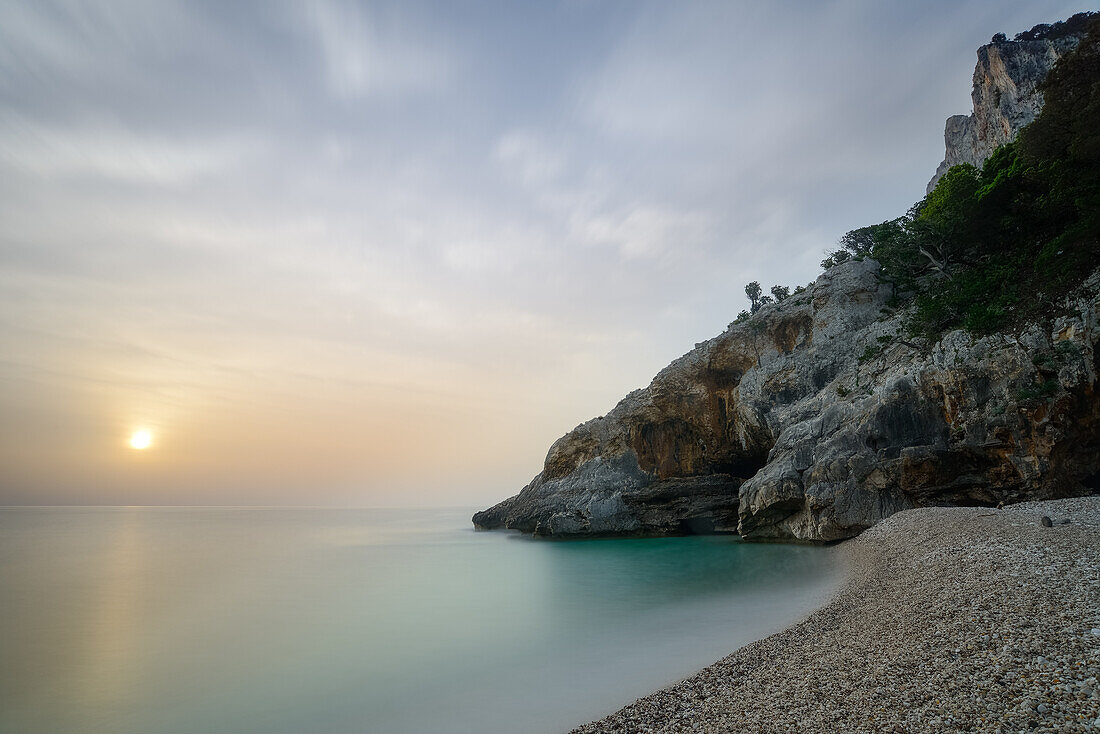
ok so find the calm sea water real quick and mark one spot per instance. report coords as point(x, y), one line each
point(185, 620)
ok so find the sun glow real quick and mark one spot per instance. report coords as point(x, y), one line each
point(141, 439)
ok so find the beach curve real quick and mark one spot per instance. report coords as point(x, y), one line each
point(951, 619)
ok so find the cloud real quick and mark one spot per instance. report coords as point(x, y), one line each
point(115, 154)
point(529, 158)
point(416, 224)
point(589, 206)
point(641, 231)
point(87, 38)
point(375, 50)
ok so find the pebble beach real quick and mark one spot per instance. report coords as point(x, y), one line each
point(951, 620)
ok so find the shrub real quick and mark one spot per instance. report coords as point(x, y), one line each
point(1039, 391)
point(990, 247)
point(870, 353)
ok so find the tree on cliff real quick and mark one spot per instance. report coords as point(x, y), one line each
point(1073, 25)
point(753, 291)
point(941, 225)
point(1005, 242)
point(1068, 128)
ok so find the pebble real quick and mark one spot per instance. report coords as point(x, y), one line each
point(945, 623)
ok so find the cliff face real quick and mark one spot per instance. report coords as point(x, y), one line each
point(1006, 98)
point(814, 420)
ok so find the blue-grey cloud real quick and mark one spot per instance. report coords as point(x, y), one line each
point(388, 251)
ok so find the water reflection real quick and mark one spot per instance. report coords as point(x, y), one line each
point(165, 621)
point(111, 659)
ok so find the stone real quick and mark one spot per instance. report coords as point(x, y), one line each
point(1006, 97)
point(817, 417)
point(1045, 521)
point(787, 427)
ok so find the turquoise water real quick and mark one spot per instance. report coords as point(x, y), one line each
point(185, 620)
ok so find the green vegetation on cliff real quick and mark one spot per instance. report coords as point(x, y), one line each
point(993, 246)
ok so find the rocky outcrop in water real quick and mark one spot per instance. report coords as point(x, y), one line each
point(817, 418)
point(1006, 93)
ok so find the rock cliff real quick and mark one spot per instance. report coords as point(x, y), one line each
point(817, 417)
point(1006, 95)
point(814, 420)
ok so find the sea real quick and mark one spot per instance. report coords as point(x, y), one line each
point(173, 620)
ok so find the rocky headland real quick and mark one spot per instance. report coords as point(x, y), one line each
point(820, 416)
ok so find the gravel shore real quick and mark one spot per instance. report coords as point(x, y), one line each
point(952, 619)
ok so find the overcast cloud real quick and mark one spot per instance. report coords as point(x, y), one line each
point(385, 253)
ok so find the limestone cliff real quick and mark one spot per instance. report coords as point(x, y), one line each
point(817, 417)
point(1006, 94)
point(814, 420)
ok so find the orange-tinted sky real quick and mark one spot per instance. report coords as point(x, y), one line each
point(385, 253)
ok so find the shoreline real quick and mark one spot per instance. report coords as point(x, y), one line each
point(949, 619)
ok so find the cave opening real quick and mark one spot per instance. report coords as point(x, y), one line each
point(743, 467)
point(697, 526)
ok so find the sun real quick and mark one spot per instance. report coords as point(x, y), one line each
point(141, 439)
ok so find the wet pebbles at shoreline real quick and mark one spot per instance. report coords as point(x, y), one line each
point(952, 619)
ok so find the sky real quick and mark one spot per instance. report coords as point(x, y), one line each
point(385, 253)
